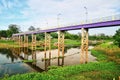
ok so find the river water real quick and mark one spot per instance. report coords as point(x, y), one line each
point(11, 60)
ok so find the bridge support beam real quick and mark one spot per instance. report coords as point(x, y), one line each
point(25, 41)
point(60, 45)
point(34, 57)
point(47, 44)
point(20, 41)
point(16, 39)
point(25, 53)
point(84, 46)
point(33, 42)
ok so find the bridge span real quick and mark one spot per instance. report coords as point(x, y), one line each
point(109, 21)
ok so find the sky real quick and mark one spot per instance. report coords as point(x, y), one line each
point(46, 14)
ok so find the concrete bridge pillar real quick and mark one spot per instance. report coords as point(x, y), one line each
point(20, 41)
point(84, 46)
point(16, 39)
point(60, 45)
point(34, 57)
point(47, 44)
point(25, 41)
point(33, 42)
point(47, 64)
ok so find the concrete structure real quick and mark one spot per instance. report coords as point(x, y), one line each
point(104, 22)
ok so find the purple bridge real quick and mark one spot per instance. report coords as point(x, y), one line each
point(110, 21)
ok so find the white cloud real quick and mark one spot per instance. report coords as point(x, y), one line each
point(38, 11)
point(72, 10)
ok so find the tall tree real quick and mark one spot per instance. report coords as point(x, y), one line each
point(12, 29)
point(116, 38)
point(31, 28)
point(3, 33)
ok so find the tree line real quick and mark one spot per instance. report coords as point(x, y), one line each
point(13, 28)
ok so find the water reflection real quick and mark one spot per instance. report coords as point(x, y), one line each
point(7, 53)
point(60, 61)
point(22, 60)
point(11, 64)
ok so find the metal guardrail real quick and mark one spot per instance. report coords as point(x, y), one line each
point(102, 19)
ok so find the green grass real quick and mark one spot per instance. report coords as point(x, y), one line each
point(27, 61)
point(107, 51)
point(68, 43)
point(7, 41)
point(90, 71)
point(107, 67)
point(100, 55)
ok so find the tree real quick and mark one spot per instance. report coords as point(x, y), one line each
point(116, 38)
point(9, 33)
point(3, 33)
point(31, 28)
point(54, 35)
point(14, 28)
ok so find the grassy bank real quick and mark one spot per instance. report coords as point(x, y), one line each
point(107, 67)
point(107, 52)
point(7, 44)
point(90, 71)
point(68, 43)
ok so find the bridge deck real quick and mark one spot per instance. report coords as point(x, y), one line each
point(75, 27)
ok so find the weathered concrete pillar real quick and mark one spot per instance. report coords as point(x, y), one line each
point(25, 53)
point(33, 42)
point(25, 41)
point(47, 64)
point(84, 46)
point(20, 41)
point(60, 46)
point(47, 44)
point(60, 43)
point(47, 47)
point(60, 61)
point(34, 57)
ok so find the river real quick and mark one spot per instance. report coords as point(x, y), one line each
point(11, 60)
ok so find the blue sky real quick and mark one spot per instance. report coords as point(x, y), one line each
point(39, 12)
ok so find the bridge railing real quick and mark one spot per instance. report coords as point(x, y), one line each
point(102, 19)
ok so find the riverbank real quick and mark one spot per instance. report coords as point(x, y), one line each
point(90, 71)
point(103, 69)
point(68, 44)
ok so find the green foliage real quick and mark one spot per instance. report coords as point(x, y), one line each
point(7, 41)
point(101, 71)
point(72, 42)
point(99, 54)
point(107, 51)
point(29, 61)
point(53, 67)
point(54, 35)
point(12, 29)
point(3, 33)
point(31, 28)
point(71, 36)
point(101, 36)
point(40, 36)
point(117, 38)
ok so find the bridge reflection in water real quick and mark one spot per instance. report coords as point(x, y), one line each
point(39, 63)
